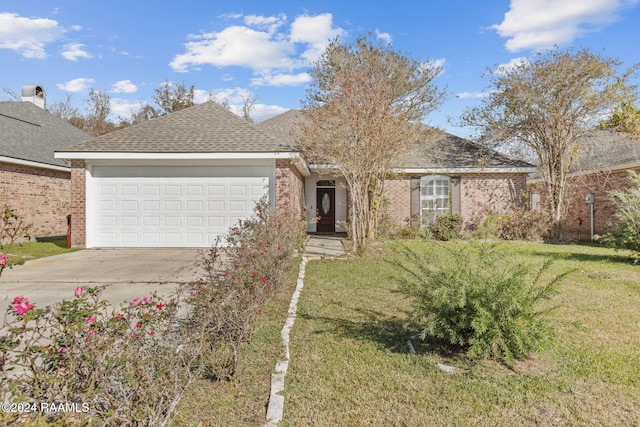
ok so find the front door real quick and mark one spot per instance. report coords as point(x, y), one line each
point(326, 210)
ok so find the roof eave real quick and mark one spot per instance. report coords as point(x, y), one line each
point(101, 155)
point(23, 162)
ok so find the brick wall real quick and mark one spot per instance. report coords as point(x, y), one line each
point(498, 192)
point(289, 185)
point(577, 219)
point(39, 196)
point(397, 194)
point(78, 204)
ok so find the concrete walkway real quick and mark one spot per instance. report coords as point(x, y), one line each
point(324, 246)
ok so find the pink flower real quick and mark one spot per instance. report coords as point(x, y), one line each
point(4, 259)
point(159, 305)
point(145, 300)
point(279, 247)
point(135, 301)
point(151, 333)
point(120, 316)
point(92, 332)
point(79, 290)
point(62, 350)
point(91, 319)
point(23, 307)
point(264, 280)
point(18, 300)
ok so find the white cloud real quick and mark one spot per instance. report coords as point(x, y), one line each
point(123, 108)
point(235, 45)
point(73, 51)
point(314, 31)
point(435, 64)
point(75, 85)
point(263, 44)
point(281, 79)
point(261, 112)
point(505, 68)
point(539, 24)
point(269, 23)
point(386, 37)
point(124, 86)
point(472, 95)
point(28, 36)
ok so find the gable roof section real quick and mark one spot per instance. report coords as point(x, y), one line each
point(438, 151)
point(32, 134)
point(608, 150)
point(203, 128)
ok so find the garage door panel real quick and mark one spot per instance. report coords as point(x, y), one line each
point(170, 211)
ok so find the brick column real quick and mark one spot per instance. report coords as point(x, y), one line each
point(78, 204)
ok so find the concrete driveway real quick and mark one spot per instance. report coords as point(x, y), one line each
point(127, 273)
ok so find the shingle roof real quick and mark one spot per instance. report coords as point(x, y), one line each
point(206, 127)
point(605, 149)
point(442, 150)
point(438, 150)
point(28, 132)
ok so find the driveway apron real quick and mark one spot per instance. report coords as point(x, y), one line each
point(126, 273)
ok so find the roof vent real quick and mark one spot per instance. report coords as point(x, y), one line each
point(33, 94)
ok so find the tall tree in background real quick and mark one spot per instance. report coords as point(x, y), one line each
point(98, 110)
point(546, 105)
point(66, 111)
point(172, 97)
point(362, 110)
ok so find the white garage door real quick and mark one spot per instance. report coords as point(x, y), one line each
point(168, 210)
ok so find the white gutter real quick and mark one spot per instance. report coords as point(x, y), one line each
point(34, 164)
point(90, 155)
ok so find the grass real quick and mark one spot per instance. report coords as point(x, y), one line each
point(22, 252)
point(242, 401)
point(350, 363)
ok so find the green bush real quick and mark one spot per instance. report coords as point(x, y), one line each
point(478, 297)
point(446, 227)
point(627, 227)
point(513, 224)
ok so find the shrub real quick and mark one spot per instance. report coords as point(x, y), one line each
point(446, 227)
point(112, 366)
point(11, 230)
point(478, 297)
point(627, 213)
point(241, 277)
point(513, 224)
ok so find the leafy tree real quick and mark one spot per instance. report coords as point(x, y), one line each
point(625, 117)
point(172, 97)
point(546, 105)
point(362, 109)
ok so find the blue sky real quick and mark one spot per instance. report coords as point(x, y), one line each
point(264, 48)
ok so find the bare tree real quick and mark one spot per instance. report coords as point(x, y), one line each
point(11, 94)
point(64, 109)
point(546, 105)
point(362, 110)
point(172, 97)
point(98, 109)
point(248, 102)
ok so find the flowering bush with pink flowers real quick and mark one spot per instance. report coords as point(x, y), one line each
point(258, 259)
point(120, 366)
point(11, 230)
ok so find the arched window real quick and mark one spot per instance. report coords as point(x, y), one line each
point(434, 197)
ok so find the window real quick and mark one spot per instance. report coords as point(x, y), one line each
point(434, 197)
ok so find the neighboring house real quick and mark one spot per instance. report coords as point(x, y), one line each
point(183, 179)
point(32, 181)
point(446, 174)
point(603, 164)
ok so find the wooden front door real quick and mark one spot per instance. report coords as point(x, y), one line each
point(326, 210)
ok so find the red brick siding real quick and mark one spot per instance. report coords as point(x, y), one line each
point(289, 185)
point(78, 204)
point(397, 194)
point(498, 192)
point(577, 216)
point(39, 196)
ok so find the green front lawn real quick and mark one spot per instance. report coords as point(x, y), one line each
point(21, 253)
point(350, 363)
